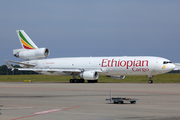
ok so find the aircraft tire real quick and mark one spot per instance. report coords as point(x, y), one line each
point(92, 81)
point(76, 81)
point(150, 81)
point(81, 80)
point(71, 81)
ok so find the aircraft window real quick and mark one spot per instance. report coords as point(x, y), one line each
point(166, 62)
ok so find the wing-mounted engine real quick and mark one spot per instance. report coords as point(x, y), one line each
point(117, 76)
point(89, 75)
point(31, 53)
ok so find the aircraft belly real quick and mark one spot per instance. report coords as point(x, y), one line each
point(55, 73)
point(115, 71)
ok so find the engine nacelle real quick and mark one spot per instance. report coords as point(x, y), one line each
point(89, 75)
point(31, 54)
point(117, 76)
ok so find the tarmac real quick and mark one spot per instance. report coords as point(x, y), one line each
point(86, 101)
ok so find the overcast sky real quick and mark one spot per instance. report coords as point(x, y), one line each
point(81, 28)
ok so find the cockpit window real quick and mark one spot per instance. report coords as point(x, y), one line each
point(166, 62)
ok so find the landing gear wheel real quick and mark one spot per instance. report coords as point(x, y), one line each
point(81, 80)
point(71, 81)
point(95, 81)
point(76, 80)
point(150, 81)
point(92, 81)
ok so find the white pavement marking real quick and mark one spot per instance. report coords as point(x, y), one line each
point(47, 111)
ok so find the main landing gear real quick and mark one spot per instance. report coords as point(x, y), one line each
point(92, 81)
point(82, 81)
point(150, 79)
point(76, 80)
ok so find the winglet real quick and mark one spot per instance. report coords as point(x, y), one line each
point(25, 41)
point(9, 66)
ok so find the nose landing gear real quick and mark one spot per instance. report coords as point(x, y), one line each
point(150, 79)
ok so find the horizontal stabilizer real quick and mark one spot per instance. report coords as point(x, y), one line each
point(177, 66)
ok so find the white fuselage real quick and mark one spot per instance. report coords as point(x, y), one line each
point(142, 65)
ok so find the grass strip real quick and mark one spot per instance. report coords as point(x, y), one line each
point(163, 78)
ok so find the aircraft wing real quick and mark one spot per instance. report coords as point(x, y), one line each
point(26, 64)
point(65, 70)
point(49, 70)
point(177, 66)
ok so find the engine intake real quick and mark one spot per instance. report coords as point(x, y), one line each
point(31, 54)
point(89, 75)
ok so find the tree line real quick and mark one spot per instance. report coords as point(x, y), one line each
point(5, 71)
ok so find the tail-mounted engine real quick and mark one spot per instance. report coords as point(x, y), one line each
point(31, 53)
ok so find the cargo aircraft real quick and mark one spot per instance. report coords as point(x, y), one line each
point(86, 68)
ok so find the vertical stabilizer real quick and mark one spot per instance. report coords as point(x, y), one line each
point(25, 41)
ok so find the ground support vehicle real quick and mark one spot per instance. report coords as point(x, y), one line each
point(119, 100)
